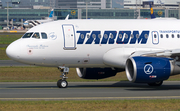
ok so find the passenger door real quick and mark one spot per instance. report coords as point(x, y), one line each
point(69, 37)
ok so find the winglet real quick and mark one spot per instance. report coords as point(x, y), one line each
point(152, 12)
point(67, 17)
point(51, 14)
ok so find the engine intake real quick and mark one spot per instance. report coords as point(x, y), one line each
point(150, 69)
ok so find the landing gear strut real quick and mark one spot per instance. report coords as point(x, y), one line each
point(62, 83)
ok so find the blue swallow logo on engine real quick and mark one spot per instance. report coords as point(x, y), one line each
point(148, 69)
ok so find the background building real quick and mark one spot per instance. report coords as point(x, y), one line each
point(18, 16)
point(91, 4)
point(66, 4)
point(157, 3)
point(113, 13)
point(26, 3)
point(0, 4)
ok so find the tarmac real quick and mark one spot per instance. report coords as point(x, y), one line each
point(122, 90)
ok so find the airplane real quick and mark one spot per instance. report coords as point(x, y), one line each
point(32, 23)
point(147, 49)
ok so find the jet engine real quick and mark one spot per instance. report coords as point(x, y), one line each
point(96, 73)
point(150, 69)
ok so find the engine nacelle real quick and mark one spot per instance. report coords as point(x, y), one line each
point(148, 69)
point(95, 73)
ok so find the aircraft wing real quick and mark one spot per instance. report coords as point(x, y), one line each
point(174, 53)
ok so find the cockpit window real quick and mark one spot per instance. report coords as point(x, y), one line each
point(27, 35)
point(36, 35)
point(44, 35)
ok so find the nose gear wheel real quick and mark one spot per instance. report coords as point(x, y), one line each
point(62, 83)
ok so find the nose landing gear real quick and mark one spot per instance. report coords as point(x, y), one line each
point(62, 83)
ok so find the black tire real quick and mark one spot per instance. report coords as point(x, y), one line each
point(59, 83)
point(62, 83)
point(156, 83)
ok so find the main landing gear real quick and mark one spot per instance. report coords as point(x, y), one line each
point(62, 83)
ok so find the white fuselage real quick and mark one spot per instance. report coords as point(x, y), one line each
point(94, 43)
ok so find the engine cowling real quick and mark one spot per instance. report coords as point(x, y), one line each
point(95, 73)
point(148, 69)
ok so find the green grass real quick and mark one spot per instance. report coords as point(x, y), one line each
point(45, 74)
point(3, 55)
point(92, 105)
point(7, 39)
point(49, 74)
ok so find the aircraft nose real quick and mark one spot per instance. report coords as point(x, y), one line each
point(13, 50)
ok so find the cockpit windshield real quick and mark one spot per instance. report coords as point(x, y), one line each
point(35, 35)
point(27, 35)
point(44, 35)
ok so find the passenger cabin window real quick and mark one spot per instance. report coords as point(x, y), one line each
point(120, 36)
point(132, 36)
point(155, 36)
point(105, 36)
point(82, 36)
point(36, 35)
point(126, 36)
point(167, 36)
point(111, 36)
point(44, 35)
point(88, 36)
point(146, 36)
point(178, 36)
point(161, 35)
point(137, 36)
point(99, 36)
point(94, 36)
point(27, 35)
